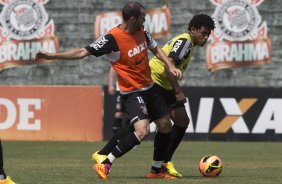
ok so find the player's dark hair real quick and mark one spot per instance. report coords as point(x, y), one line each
point(131, 9)
point(200, 20)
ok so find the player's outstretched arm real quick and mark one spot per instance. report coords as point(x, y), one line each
point(180, 97)
point(157, 51)
point(68, 55)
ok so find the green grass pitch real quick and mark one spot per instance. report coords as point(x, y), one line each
point(70, 163)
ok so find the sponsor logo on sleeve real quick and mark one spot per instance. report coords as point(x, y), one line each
point(99, 43)
point(177, 46)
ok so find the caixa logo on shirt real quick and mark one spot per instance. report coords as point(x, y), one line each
point(136, 50)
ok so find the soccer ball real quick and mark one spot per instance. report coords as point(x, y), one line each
point(210, 166)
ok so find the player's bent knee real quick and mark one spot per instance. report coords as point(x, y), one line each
point(142, 129)
point(164, 126)
point(142, 133)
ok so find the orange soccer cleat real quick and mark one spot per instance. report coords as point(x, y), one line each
point(102, 170)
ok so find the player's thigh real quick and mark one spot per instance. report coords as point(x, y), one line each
point(155, 103)
point(168, 95)
point(138, 115)
point(135, 107)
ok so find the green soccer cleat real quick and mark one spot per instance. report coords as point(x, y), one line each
point(98, 158)
point(171, 169)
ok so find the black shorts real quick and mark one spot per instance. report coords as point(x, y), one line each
point(119, 103)
point(147, 104)
point(169, 96)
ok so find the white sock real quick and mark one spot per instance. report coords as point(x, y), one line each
point(157, 164)
point(2, 177)
point(111, 157)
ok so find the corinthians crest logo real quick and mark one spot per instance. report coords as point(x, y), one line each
point(23, 19)
point(237, 20)
point(240, 37)
point(25, 29)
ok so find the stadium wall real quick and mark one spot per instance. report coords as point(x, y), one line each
point(74, 22)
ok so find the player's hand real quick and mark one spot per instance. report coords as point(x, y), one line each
point(42, 55)
point(111, 90)
point(176, 72)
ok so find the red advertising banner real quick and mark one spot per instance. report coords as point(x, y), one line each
point(158, 22)
point(240, 38)
point(65, 113)
point(224, 54)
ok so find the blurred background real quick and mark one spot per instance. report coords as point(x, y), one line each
point(234, 83)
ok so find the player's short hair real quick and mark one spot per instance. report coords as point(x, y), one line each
point(131, 9)
point(200, 20)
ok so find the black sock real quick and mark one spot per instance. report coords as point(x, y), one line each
point(117, 125)
point(155, 170)
point(1, 162)
point(107, 161)
point(125, 145)
point(161, 143)
point(107, 149)
point(175, 138)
